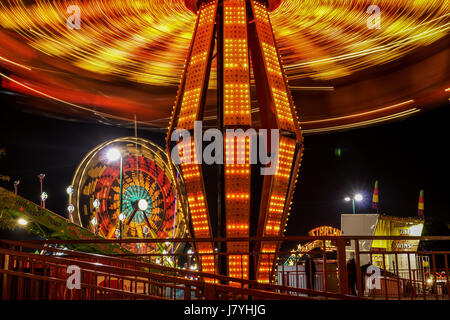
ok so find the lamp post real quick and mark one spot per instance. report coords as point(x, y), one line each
point(94, 221)
point(44, 197)
point(113, 155)
point(16, 184)
point(356, 198)
point(70, 207)
point(41, 180)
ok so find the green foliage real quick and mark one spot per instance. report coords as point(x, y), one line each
point(6, 222)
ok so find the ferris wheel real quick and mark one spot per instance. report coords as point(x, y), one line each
point(151, 205)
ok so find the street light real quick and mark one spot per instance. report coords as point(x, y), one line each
point(41, 180)
point(70, 209)
point(16, 184)
point(113, 155)
point(94, 220)
point(356, 198)
point(69, 190)
point(44, 197)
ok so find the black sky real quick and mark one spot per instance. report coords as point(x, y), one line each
point(404, 156)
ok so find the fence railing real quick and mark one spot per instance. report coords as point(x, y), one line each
point(323, 274)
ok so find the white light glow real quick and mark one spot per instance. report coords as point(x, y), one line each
point(142, 204)
point(22, 222)
point(358, 197)
point(113, 154)
point(96, 204)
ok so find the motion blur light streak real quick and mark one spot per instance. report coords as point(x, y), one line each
point(128, 56)
point(365, 113)
point(322, 39)
point(364, 123)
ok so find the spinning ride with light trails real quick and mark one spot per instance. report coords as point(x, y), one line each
point(152, 207)
point(344, 69)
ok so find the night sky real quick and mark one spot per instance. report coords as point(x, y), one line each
point(404, 156)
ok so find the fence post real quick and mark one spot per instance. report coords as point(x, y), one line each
point(5, 295)
point(446, 275)
point(210, 292)
point(358, 269)
point(342, 266)
point(324, 265)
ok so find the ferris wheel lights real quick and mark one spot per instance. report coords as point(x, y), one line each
point(22, 222)
point(94, 221)
point(142, 204)
point(96, 204)
point(69, 190)
point(44, 196)
point(113, 154)
point(121, 217)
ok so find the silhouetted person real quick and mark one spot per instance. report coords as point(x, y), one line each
point(351, 274)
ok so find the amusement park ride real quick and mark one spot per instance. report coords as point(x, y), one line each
point(239, 30)
point(238, 57)
point(126, 59)
point(151, 205)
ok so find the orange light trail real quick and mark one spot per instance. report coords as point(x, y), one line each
point(318, 39)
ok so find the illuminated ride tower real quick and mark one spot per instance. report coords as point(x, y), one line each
point(241, 30)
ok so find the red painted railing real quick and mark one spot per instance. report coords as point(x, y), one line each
point(26, 275)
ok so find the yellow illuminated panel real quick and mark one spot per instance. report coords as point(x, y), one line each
point(236, 113)
point(236, 65)
point(277, 207)
point(198, 66)
point(194, 86)
point(198, 208)
point(237, 202)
